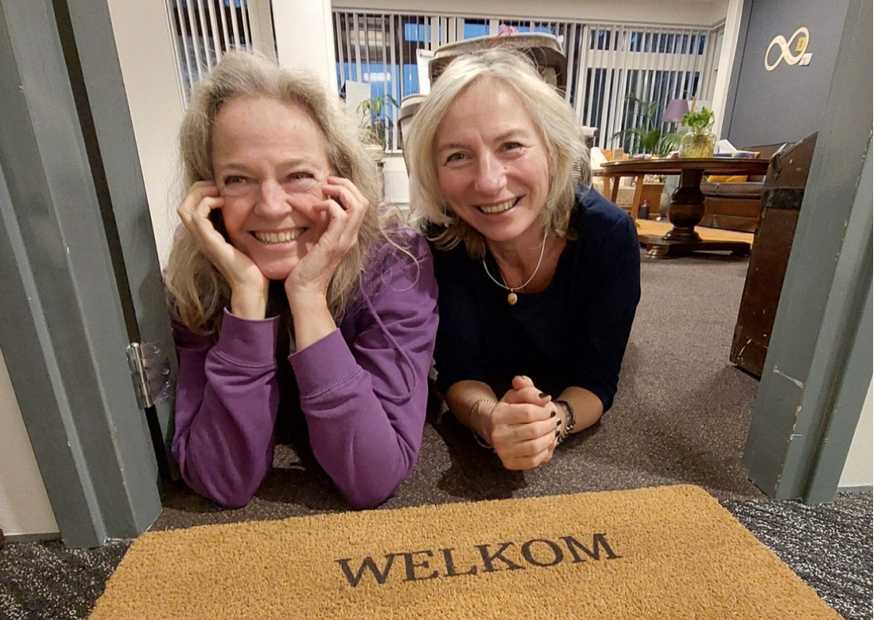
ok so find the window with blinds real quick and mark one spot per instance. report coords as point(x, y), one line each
point(204, 30)
point(607, 63)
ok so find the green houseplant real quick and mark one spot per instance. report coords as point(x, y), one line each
point(651, 139)
point(698, 140)
point(373, 119)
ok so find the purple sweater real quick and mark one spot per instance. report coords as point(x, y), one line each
point(363, 390)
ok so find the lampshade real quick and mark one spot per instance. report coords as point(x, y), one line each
point(675, 110)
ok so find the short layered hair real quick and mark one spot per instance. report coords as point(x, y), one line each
point(555, 120)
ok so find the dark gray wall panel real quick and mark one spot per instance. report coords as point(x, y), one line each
point(787, 103)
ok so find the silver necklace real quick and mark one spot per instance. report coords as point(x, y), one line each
point(512, 297)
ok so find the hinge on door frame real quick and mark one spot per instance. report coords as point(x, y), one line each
point(136, 361)
point(150, 372)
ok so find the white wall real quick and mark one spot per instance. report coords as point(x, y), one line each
point(154, 93)
point(858, 468)
point(24, 505)
point(686, 12)
point(305, 38)
point(727, 55)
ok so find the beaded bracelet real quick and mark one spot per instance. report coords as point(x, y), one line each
point(569, 423)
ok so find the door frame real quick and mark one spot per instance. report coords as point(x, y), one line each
point(68, 311)
point(818, 367)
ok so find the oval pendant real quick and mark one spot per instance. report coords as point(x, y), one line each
point(512, 298)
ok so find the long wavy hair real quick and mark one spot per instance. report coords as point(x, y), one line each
point(567, 155)
point(197, 292)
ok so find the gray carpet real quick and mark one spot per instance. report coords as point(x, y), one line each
point(48, 580)
point(829, 546)
point(681, 416)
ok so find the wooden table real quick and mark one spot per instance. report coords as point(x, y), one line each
point(687, 201)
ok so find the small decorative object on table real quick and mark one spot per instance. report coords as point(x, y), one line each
point(698, 141)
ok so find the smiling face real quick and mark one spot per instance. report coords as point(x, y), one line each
point(492, 165)
point(269, 163)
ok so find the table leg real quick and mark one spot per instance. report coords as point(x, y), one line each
point(638, 196)
point(614, 191)
point(686, 211)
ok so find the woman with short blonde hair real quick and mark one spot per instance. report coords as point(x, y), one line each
point(539, 275)
point(296, 304)
point(561, 133)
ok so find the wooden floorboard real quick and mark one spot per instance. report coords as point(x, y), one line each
point(651, 227)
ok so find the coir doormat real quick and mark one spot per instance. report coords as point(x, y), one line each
point(667, 552)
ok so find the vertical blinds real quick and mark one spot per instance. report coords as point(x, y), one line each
point(203, 30)
point(606, 62)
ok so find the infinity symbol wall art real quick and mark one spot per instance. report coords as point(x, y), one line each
point(798, 40)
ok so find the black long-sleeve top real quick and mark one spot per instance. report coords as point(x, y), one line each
point(574, 333)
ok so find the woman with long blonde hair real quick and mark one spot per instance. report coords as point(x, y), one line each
point(294, 298)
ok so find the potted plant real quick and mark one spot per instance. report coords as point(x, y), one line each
point(396, 187)
point(698, 141)
point(373, 120)
point(651, 141)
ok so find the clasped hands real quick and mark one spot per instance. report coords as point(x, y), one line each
point(523, 426)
